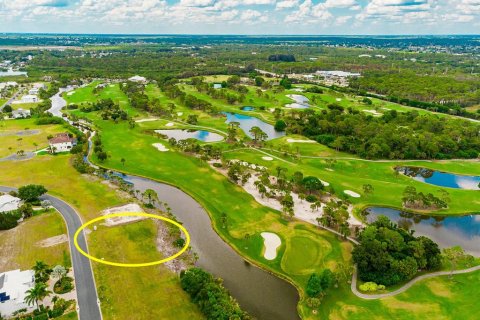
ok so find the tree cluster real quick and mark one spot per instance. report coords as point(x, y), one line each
point(211, 297)
point(389, 255)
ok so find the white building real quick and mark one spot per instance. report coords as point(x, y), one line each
point(29, 98)
point(338, 78)
point(20, 113)
point(138, 79)
point(39, 85)
point(33, 91)
point(9, 203)
point(62, 142)
point(13, 287)
point(217, 86)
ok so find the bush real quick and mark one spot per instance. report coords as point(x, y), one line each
point(8, 220)
point(8, 108)
point(217, 165)
point(371, 287)
point(280, 125)
point(63, 285)
point(311, 198)
point(179, 243)
point(31, 192)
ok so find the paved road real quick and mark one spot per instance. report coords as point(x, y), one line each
point(407, 285)
point(9, 101)
point(89, 308)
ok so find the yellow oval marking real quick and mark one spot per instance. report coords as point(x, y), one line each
point(130, 214)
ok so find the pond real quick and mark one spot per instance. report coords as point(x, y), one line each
point(442, 179)
point(10, 73)
point(247, 122)
point(447, 231)
point(201, 135)
point(248, 108)
point(260, 293)
point(301, 102)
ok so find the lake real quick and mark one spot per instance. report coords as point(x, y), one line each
point(247, 122)
point(441, 179)
point(201, 135)
point(10, 73)
point(447, 231)
point(301, 102)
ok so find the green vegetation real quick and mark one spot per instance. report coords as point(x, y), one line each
point(212, 298)
point(388, 254)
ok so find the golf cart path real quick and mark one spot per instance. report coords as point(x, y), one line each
point(407, 285)
point(87, 298)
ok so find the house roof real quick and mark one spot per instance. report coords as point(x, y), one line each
point(8, 203)
point(61, 138)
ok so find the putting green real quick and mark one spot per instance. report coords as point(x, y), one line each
point(304, 253)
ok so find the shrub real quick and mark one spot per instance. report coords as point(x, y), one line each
point(179, 243)
point(311, 198)
point(280, 125)
point(371, 287)
point(63, 285)
point(217, 165)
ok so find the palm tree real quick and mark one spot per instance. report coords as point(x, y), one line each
point(37, 293)
point(40, 268)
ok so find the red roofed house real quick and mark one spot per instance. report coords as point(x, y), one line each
point(62, 142)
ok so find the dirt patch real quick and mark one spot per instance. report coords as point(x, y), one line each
point(167, 249)
point(439, 288)
point(53, 241)
point(131, 207)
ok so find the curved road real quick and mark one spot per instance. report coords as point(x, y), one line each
point(407, 285)
point(88, 303)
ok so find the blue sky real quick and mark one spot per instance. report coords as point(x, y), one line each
point(242, 16)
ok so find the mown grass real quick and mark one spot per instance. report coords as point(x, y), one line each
point(156, 291)
point(13, 143)
point(19, 245)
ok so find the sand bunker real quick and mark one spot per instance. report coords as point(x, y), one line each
point(374, 112)
point(271, 242)
point(50, 242)
point(160, 147)
point(131, 207)
point(325, 183)
point(351, 193)
point(300, 141)
point(146, 120)
point(179, 114)
point(267, 158)
point(112, 85)
point(170, 124)
point(70, 93)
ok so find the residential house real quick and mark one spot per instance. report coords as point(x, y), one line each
point(62, 142)
point(13, 287)
point(9, 203)
point(217, 86)
point(29, 98)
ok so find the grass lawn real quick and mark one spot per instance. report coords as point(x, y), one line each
point(19, 245)
point(152, 287)
point(12, 143)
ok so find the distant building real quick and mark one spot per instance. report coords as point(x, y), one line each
point(9, 203)
point(33, 91)
point(39, 85)
point(217, 86)
point(20, 113)
point(336, 77)
point(138, 79)
point(13, 287)
point(62, 142)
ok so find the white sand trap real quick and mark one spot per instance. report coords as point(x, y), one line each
point(131, 207)
point(351, 193)
point(146, 120)
point(179, 114)
point(325, 183)
point(374, 112)
point(170, 124)
point(300, 141)
point(328, 169)
point(267, 158)
point(338, 99)
point(50, 242)
point(271, 242)
point(70, 93)
point(160, 147)
point(112, 85)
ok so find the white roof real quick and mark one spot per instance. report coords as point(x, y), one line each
point(338, 73)
point(29, 96)
point(137, 78)
point(14, 284)
point(8, 203)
